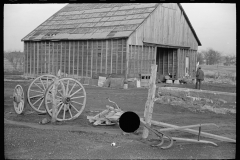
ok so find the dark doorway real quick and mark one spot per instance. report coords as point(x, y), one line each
point(167, 61)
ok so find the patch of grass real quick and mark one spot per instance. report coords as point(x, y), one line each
point(227, 73)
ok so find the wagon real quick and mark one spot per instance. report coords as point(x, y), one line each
point(70, 97)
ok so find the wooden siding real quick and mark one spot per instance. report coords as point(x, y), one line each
point(75, 58)
point(183, 53)
point(166, 25)
point(140, 59)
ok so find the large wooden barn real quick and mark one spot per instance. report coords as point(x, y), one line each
point(84, 40)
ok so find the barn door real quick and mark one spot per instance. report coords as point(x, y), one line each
point(187, 66)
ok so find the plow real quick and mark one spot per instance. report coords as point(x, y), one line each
point(64, 99)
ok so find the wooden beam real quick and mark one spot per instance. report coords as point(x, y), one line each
point(168, 60)
point(195, 132)
point(173, 62)
point(41, 55)
point(92, 59)
point(87, 62)
point(106, 56)
point(69, 58)
point(53, 61)
point(82, 56)
point(96, 55)
point(45, 58)
point(37, 58)
point(34, 66)
point(127, 60)
point(141, 67)
point(117, 57)
point(27, 57)
point(122, 58)
point(101, 57)
point(60, 67)
point(163, 60)
point(111, 55)
point(73, 57)
point(178, 55)
point(150, 100)
point(30, 58)
point(78, 60)
point(49, 61)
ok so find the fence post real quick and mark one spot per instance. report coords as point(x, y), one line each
point(150, 100)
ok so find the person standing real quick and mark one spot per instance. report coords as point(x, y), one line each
point(199, 78)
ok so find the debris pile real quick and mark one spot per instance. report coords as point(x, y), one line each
point(109, 116)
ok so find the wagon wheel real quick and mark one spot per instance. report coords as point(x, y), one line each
point(18, 99)
point(70, 99)
point(36, 91)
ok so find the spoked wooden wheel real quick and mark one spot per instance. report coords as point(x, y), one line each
point(18, 99)
point(36, 92)
point(70, 99)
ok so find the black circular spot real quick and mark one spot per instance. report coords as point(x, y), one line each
point(129, 122)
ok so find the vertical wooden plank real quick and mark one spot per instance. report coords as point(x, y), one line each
point(141, 65)
point(73, 54)
point(178, 52)
point(127, 59)
point(27, 57)
point(168, 60)
point(106, 56)
point(65, 57)
point(101, 57)
point(82, 55)
point(60, 67)
point(122, 58)
point(92, 59)
point(37, 58)
point(24, 51)
point(78, 59)
point(45, 58)
point(111, 55)
point(53, 59)
point(87, 61)
point(30, 57)
point(34, 62)
point(117, 57)
point(49, 62)
point(96, 57)
point(69, 57)
point(173, 63)
point(163, 60)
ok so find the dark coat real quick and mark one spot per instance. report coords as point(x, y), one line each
point(200, 74)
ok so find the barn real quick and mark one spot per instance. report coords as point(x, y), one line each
point(124, 39)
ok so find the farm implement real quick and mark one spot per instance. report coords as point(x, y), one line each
point(70, 97)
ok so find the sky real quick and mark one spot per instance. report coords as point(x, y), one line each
point(214, 23)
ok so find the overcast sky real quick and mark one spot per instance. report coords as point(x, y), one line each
point(214, 23)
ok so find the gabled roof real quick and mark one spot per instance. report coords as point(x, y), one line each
point(96, 21)
point(93, 21)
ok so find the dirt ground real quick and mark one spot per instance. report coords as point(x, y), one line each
point(89, 141)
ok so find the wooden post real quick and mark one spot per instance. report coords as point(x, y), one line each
point(122, 58)
point(150, 101)
point(54, 104)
